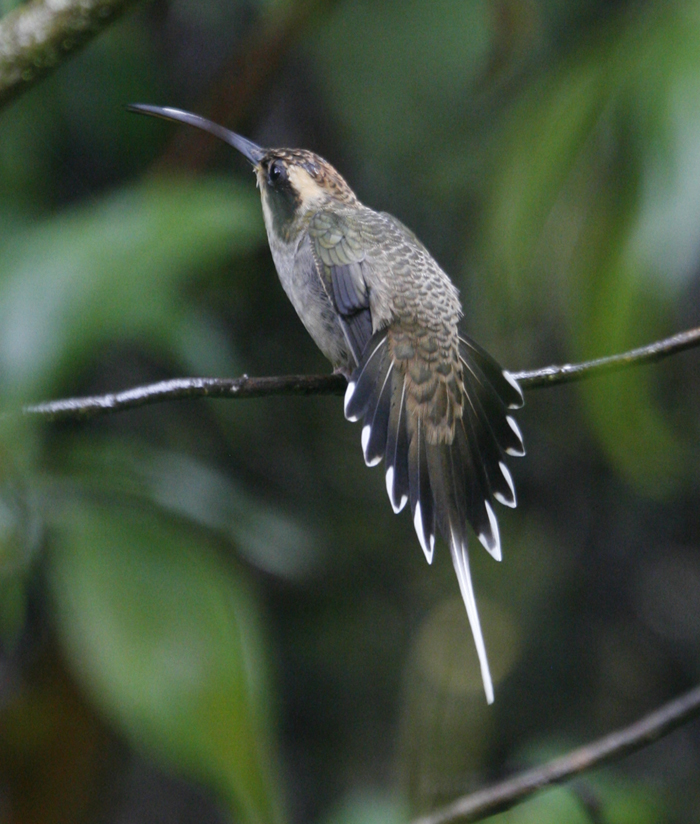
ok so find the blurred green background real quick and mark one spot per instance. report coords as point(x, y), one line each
point(208, 611)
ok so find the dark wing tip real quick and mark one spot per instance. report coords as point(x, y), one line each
point(364, 380)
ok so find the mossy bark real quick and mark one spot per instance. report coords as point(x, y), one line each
point(40, 35)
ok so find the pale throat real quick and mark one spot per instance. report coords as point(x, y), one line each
point(284, 219)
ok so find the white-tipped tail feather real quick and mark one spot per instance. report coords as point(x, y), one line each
point(511, 502)
point(427, 544)
point(369, 460)
point(390, 490)
point(515, 451)
point(511, 380)
point(492, 542)
point(460, 559)
point(349, 392)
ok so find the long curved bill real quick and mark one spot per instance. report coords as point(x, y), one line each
point(251, 151)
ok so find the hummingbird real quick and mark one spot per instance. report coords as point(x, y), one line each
point(433, 403)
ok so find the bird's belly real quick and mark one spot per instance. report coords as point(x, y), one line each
point(300, 280)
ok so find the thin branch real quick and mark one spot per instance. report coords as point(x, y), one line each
point(40, 35)
point(614, 363)
point(245, 387)
point(180, 389)
point(611, 747)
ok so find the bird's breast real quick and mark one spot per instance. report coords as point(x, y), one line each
point(300, 279)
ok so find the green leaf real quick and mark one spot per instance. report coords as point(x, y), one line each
point(622, 409)
point(369, 807)
point(592, 797)
point(549, 807)
point(629, 802)
point(266, 535)
point(164, 639)
point(111, 268)
point(570, 198)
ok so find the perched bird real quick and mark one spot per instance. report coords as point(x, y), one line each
point(433, 403)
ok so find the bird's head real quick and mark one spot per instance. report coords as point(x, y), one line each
point(293, 182)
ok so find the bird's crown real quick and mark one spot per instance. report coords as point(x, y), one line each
point(303, 175)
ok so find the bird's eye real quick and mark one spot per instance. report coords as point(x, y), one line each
point(277, 172)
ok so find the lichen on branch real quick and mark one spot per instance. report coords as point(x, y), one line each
point(40, 35)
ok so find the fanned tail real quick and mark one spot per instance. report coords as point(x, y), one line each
point(449, 481)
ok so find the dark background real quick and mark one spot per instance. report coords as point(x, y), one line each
point(208, 611)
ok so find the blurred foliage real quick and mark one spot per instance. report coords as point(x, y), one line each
point(110, 270)
point(207, 610)
point(136, 596)
point(581, 804)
